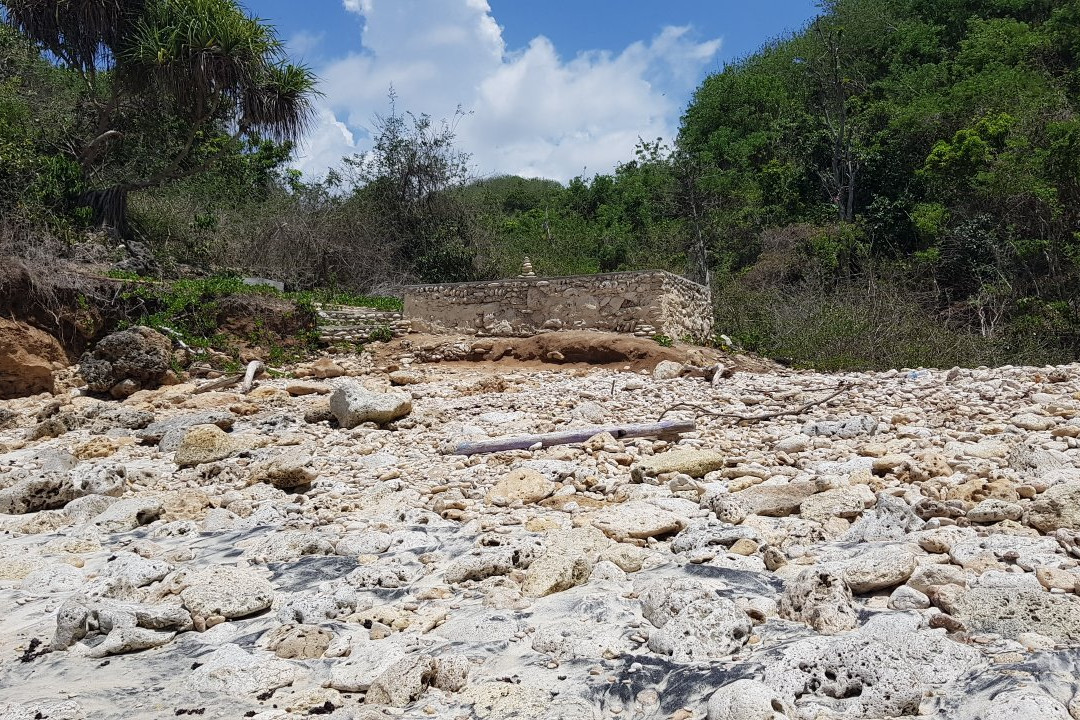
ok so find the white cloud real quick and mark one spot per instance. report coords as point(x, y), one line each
point(533, 112)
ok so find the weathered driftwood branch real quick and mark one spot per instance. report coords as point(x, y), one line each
point(841, 389)
point(176, 337)
point(224, 382)
point(254, 368)
point(566, 437)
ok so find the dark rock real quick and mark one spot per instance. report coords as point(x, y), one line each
point(140, 354)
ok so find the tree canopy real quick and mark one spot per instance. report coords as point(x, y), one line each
point(166, 88)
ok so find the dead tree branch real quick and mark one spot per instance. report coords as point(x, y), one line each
point(701, 410)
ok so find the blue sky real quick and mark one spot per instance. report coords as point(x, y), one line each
point(555, 88)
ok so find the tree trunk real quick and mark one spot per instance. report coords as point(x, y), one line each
point(110, 209)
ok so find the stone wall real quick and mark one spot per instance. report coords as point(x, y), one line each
point(642, 303)
point(339, 323)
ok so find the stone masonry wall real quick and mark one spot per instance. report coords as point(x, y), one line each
point(642, 303)
point(338, 323)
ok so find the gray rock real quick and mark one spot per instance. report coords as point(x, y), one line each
point(82, 509)
point(711, 533)
point(169, 432)
point(452, 673)
point(703, 630)
point(844, 429)
point(884, 669)
point(72, 624)
point(566, 561)
point(926, 576)
point(891, 519)
point(403, 682)
point(774, 500)
point(879, 569)
point(746, 700)
point(667, 370)
point(130, 639)
point(54, 490)
point(230, 670)
point(353, 405)
point(231, 592)
point(821, 599)
point(695, 463)
point(140, 354)
point(637, 519)
point(288, 471)
point(206, 444)
point(137, 570)
point(908, 598)
point(844, 502)
point(366, 543)
point(993, 510)
point(367, 662)
point(1011, 611)
point(128, 514)
point(1058, 507)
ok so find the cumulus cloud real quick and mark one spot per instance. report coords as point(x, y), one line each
point(531, 111)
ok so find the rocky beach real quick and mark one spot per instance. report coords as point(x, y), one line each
point(872, 545)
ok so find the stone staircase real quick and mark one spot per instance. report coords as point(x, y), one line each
point(343, 323)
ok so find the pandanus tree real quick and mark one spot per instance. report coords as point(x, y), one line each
point(184, 81)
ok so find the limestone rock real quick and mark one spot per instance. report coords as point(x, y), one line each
point(169, 432)
point(746, 700)
point(1013, 611)
point(821, 599)
point(638, 520)
point(288, 471)
point(567, 560)
point(1058, 507)
point(130, 639)
point(695, 463)
point(231, 592)
point(844, 429)
point(667, 370)
point(405, 377)
point(703, 631)
point(140, 354)
point(695, 623)
point(325, 368)
point(299, 642)
point(844, 502)
point(527, 486)
point(28, 357)
point(231, 670)
point(993, 510)
point(879, 569)
point(774, 500)
point(54, 490)
point(298, 388)
point(353, 405)
point(402, 682)
point(205, 444)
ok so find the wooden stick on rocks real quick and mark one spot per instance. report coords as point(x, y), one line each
point(566, 437)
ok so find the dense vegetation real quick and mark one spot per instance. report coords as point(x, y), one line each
point(897, 184)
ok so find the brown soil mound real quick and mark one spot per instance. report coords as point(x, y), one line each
point(575, 348)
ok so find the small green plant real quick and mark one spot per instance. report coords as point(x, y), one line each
point(383, 333)
point(663, 340)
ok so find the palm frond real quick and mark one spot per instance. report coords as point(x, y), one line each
point(82, 33)
point(281, 106)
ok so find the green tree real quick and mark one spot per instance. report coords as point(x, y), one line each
point(168, 88)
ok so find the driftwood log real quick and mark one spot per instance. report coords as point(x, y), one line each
point(254, 368)
point(566, 437)
point(743, 418)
